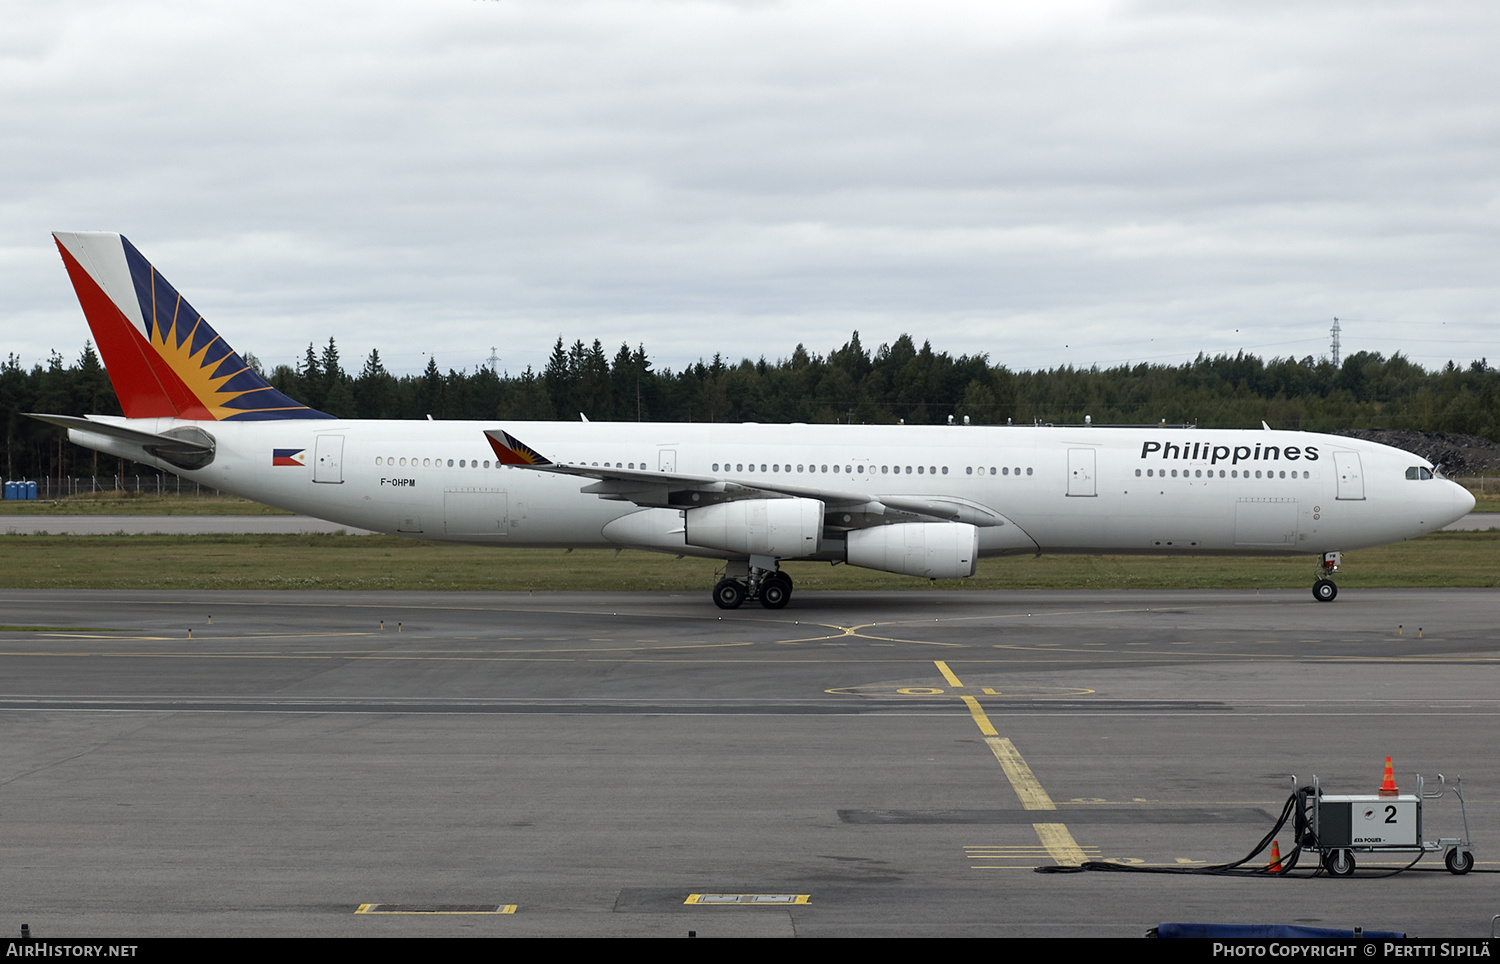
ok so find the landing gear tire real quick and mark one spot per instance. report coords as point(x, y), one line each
point(775, 592)
point(1339, 863)
point(1324, 590)
point(1459, 862)
point(729, 594)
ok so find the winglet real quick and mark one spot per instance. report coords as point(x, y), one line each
point(163, 358)
point(510, 451)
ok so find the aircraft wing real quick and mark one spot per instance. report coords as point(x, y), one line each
point(844, 508)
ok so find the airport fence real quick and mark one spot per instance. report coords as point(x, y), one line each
point(149, 484)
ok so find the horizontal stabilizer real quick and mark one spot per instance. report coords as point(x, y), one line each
point(187, 447)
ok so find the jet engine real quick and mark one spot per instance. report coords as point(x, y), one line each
point(937, 550)
point(781, 528)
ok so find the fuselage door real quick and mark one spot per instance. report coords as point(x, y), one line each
point(1351, 478)
point(1081, 472)
point(328, 459)
point(666, 460)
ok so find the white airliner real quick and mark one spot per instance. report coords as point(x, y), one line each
point(923, 501)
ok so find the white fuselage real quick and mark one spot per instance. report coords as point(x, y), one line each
point(1058, 489)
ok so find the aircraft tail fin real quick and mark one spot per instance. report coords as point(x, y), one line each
point(512, 451)
point(163, 358)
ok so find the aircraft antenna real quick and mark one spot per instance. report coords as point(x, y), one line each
point(1335, 333)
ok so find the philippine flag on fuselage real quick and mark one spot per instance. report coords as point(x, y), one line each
point(289, 457)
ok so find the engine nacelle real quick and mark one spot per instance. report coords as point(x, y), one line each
point(783, 528)
point(936, 550)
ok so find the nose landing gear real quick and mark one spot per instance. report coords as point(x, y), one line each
point(1324, 590)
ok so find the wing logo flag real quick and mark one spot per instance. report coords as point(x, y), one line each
point(289, 457)
point(510, 451)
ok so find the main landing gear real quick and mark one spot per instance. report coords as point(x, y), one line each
point(1324, 589)
point(771, 586)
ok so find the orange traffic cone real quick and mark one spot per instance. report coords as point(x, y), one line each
point(1275, 867)
point(1388, 785)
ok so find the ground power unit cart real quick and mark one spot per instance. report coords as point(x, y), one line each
point(1336, 827)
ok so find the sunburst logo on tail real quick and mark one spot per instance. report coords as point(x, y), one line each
point(217, 376)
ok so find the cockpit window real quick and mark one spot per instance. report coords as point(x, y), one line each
point(1418, 472)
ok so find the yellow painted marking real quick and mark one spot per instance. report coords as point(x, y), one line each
point(947, 673)
point(748, 900)
point(882, 692)
point(402, 909)
point(1059, 843)
point(1022, 780)
point(1101, 802)
point(983, 721)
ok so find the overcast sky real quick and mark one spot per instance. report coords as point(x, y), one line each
point(1045, 182)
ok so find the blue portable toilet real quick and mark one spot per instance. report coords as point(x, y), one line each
point(10, 490)
point(30, 490)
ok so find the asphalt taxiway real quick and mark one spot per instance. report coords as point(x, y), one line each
point(299, 763)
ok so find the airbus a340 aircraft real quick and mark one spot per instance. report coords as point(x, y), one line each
point(923, 501)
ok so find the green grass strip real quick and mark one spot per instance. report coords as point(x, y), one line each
point(1443, 559)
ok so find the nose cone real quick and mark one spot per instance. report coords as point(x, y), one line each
point(1464, 501)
